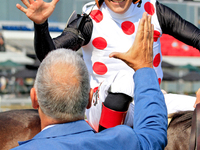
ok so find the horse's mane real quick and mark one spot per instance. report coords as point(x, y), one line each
point(181, 117)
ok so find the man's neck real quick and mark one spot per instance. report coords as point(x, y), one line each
point(47, 121)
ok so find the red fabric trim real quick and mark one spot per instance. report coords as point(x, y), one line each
point(111, 118)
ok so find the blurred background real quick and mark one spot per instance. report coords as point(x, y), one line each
point(18, 63)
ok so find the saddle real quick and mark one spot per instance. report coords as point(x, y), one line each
point(195, 130)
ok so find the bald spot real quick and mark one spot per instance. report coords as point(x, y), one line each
point(64, 74)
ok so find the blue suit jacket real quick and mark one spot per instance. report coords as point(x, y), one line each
point(150, 125)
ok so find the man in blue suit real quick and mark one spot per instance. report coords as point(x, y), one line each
point(62, 93)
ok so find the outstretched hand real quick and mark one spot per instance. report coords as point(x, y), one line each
point(197, 98)
point(37, 10)
point(141, 53)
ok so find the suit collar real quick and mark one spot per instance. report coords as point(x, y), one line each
point(62, 130)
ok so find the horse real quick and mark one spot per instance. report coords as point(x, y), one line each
point(22, 125)
point(18, 125)
point(179, 130)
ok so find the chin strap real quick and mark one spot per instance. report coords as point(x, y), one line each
point(137, 1)
point(99, 3)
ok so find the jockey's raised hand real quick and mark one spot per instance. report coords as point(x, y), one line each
point(37, 10)
point(141, 53)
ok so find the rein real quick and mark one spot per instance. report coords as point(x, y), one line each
point(195, 130)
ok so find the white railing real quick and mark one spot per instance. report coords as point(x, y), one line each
point(9, 100)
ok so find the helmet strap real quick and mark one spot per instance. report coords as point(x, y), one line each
point(137, 1)
point(99, 3)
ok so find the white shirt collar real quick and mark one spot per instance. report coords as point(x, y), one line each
point(49, 126)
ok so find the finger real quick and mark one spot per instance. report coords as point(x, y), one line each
point(117, 55)
point(146, 28)
point(26, 3)
point(113, 54)
point(21, 8)
point(198, 92)
point(151, 42)
point(142, 22)
point(31, 1)
point(54, 2)
point(152, 34)
point(197, 102)
point(197, 98)
point(140, 31)
point(149, 22)
point(194, 105)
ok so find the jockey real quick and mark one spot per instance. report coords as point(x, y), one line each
point(105, 27)
point(121, 83)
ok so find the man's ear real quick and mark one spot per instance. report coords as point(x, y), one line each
point(34, 99)
point(90, 99)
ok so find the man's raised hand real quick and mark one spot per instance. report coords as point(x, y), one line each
point(37, 10)
point(141, 53)
point(197, 98)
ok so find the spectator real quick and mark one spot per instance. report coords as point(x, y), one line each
point(2, 43)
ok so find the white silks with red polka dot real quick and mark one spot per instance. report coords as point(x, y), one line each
point(120, 82)
point(114, 32)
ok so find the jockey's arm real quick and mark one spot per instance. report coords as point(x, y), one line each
point(173, 24)
point(68, 39)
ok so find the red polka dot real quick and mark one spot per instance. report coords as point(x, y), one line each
point(99, 68)
point(149, 8)
point(159, 80)
point(96, 15)
point(128, 27)
point(156, 35)
point(99, 43)
point(95, 89)
point(156, 60)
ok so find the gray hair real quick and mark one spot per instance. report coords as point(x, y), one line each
point(62, 85)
